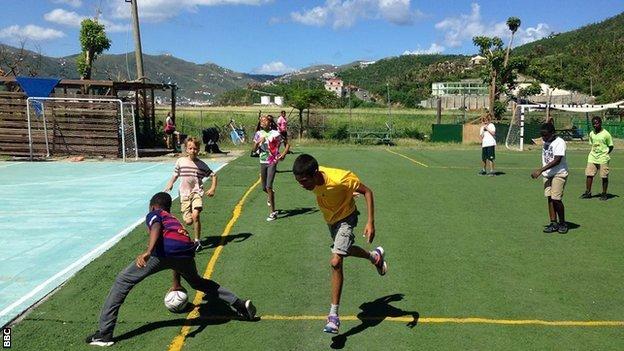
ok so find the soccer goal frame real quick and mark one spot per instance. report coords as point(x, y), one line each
point(523, 108)
point(72, 99)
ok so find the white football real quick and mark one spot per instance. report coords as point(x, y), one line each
point(176, 301)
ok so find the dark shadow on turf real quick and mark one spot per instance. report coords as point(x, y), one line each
point(572, 225)
point(373, 313)
point(211, 312)
point(296, 211)
point(212, 242)
point(609, 196)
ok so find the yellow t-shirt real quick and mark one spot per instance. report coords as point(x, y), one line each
point(335, 197)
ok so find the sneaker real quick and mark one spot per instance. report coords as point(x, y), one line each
point(198, 245)
point(586, 195)
point(333, 323)
point(272, 216)
point(247, 311)
point(482, 172)
point(551, 228)
point(604, 197)
point(563, 228)
point(97, 339)
point(380, 262)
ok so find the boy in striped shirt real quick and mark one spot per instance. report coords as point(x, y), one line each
point(169, 247)
point(191, 171)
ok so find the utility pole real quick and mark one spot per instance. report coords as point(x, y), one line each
point(388, 92)
point(138, 52)
point(349, 87)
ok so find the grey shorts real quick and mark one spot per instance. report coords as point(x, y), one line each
point(342, 234)
point(267, 174)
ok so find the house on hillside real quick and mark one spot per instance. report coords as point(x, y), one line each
point(477, 60)
point(551, 94)
point(336, 86)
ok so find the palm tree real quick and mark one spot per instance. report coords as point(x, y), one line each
point(513, 23)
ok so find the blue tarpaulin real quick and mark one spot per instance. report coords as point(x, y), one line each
point(37, 87)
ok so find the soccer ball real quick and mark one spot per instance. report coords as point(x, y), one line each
point(176, 301)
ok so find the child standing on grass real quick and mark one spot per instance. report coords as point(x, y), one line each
point(487, 132)
point(598, 158)
point(191, 171)
point(169, 247)
point(555, 172)
point(334, 189)
point(267, 141)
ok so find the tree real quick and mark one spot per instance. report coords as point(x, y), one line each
point(303, 98)
point(500, 77)
point(513, 23)
point(93, 42)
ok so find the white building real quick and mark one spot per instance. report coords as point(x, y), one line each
point(335, 85)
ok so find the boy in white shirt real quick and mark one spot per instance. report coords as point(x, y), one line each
point(555, 172)
point(487, 132)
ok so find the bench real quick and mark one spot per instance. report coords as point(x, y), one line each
point(377, 137)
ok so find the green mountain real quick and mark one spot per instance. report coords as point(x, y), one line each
point(589, 59)
point(196, 81)
point(408, 78)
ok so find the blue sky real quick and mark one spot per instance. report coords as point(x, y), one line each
point(277, 36)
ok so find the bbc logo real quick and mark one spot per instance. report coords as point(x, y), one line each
point(6, 338)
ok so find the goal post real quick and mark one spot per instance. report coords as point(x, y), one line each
point(125, 132)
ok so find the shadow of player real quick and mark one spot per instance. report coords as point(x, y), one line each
point(212, 242)
point(211, 312)
point(296, 211)
point(373, 313)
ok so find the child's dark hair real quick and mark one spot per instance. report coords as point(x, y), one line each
point(305, 165)
point(596, 118)
point(161, 200)
point(548, 127)
point(272, 124)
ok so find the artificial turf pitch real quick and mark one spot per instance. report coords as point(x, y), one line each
point(458, 245)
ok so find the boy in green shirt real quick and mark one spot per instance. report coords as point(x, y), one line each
point(598, 158)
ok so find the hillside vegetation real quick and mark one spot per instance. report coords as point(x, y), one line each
point(589, 59)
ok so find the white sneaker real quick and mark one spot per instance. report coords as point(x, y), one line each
point(198, 245)
point(272, 216)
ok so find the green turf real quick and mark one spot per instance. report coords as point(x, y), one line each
point(458, 245)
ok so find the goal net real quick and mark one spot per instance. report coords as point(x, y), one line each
point(517, 133)
point(81, 126)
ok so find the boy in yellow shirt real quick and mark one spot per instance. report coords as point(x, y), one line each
point(334, 190)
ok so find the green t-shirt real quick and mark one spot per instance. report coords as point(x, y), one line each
point(600, 143)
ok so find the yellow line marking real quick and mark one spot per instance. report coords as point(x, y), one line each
point(178, 341)
point(466, 320)
point(409, 158)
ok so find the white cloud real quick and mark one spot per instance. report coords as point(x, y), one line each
point(72, 3)
point(64, 17)
point(433, 49)
point(275, 67)
point(29, 32)
point(73, 19)
point(160, 10)
point(345, 13)
point(464, 27)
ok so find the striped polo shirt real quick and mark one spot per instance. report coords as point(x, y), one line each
point(174, 240)
point(191, 173)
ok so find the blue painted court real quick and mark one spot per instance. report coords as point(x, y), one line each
point(56, 217)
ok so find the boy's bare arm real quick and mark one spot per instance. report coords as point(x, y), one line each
point(213, 186)
point(154, 233)
point(169, 185)
point(369, 229)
